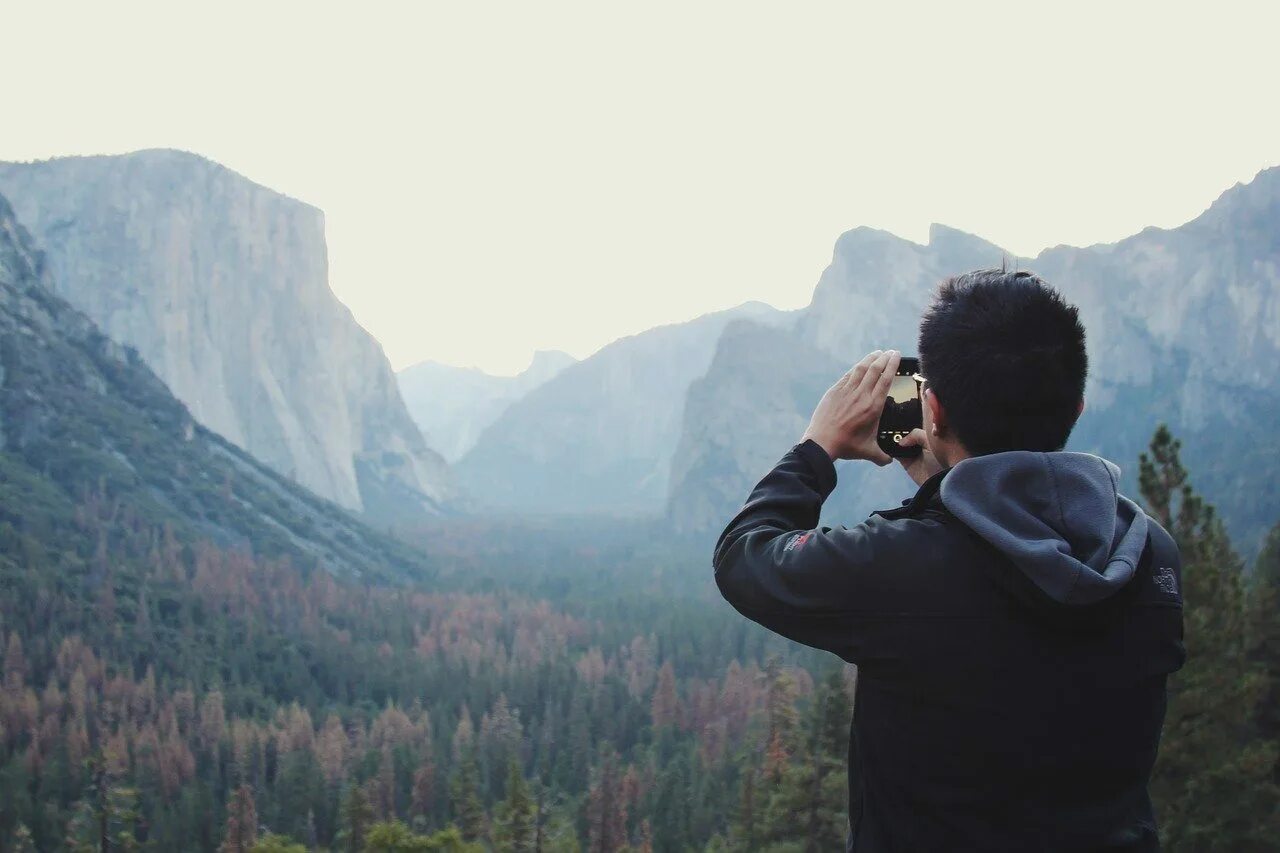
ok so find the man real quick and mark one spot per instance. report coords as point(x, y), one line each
point(1013, 623)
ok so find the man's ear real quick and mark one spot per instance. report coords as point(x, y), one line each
point(937, 414)
point(1080, 408)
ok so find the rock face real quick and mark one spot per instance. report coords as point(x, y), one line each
point(86, 427)
point(756, 398)
point(599, 437)
point(758, 387)
point(453, 405)
point(222, 286)
point(1183, 327)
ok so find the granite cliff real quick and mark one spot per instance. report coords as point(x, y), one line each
point(221, 285)
point(90, 436)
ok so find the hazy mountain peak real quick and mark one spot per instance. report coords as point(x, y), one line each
point(944, 238)
point(864, 237)
point(599, 437)
point(545, 364)
point(453, 405)
point(173, 161)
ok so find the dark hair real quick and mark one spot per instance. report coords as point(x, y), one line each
point(1005, 354)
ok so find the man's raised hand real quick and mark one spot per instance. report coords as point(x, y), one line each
point(922, 466)
point(844, 423)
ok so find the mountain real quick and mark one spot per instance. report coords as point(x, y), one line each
point(221, 285)
point(598, 438)
point(86, 427)
point(453, 405)
point(1183, 327)
point(756, 388)
point(756, 397)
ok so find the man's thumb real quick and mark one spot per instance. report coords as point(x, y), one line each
point(915, 438)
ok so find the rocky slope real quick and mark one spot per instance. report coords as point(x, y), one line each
point(756, 397)
point(86, 427)
point(453, 405)
point(222, 286)
point(1183, 325)
point(599, 437)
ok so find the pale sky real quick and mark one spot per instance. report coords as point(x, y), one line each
point(504, 177)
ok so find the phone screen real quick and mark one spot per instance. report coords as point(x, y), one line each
point(902, 410)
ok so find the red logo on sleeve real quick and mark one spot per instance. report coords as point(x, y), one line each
point(797, 541)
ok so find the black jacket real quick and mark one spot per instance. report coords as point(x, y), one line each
point(1011, 665)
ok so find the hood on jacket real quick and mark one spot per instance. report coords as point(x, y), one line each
point(1057, 516)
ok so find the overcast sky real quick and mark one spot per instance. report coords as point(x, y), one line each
point(504, 177)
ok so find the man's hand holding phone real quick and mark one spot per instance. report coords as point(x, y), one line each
point(923, 466)
point(845, 422)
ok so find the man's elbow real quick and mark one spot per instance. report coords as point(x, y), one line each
point(728, 574)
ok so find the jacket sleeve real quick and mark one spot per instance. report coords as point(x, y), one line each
point(778, 568)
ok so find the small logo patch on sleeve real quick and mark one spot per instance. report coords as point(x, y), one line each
point(1166, 580)
point(797, 541)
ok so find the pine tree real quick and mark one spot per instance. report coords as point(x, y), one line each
point(1264, 635)
point(464, 797)
point(606, 810)
point(515, 822)
point(744, 834)
point(1212, 784)
point(423, 796)
point(807, 805)
point(242, 822)
point(826, 799)
point(664, 708)
point(357, 815)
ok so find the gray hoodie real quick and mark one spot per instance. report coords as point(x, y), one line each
point(1057, 516)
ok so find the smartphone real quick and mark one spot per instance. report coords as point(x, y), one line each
point(902, 411)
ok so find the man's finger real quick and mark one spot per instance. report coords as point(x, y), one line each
point(874, 371)
point(855, 374)
point(885, 380)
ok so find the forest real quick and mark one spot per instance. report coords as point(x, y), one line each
point(161, 693)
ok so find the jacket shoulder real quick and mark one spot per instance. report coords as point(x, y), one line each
point(925, 560)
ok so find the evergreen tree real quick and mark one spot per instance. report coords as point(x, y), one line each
point(1264, 635)
point(515, 821)
point(1212, 784)
point(806, 809)
point(357, 815)
point(664, 708)
point(242, 822)
point(606, 810)
point(423, 795)
point(464, 797)
point(745, 834)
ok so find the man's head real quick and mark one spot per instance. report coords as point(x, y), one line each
point(1005, 361)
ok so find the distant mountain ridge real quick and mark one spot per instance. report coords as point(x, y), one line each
point(86, 426)
point(598, 438)
point(222, 286)
point(1183, 327)
point(453, 405)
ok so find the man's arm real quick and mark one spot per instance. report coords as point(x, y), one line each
point(773, 563)
point(778, 568)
